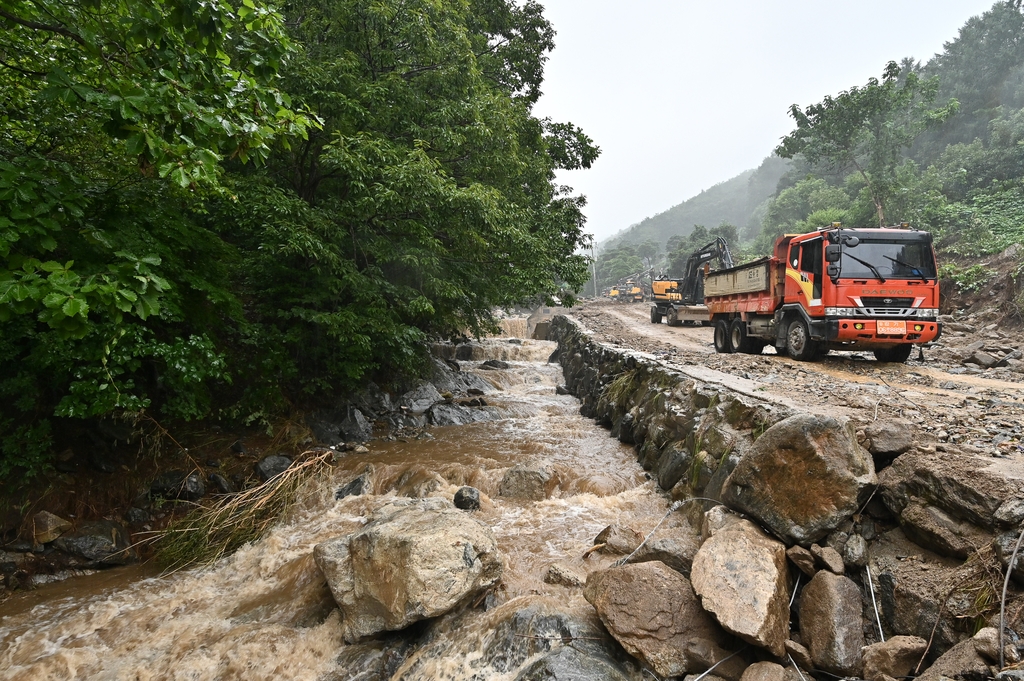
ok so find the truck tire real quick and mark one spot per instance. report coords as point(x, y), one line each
point(898, 354)
point(799, 343)
point(738, 338)
point(655, 315)
point(722, 343)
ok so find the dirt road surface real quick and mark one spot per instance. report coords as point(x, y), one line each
point(951, 403)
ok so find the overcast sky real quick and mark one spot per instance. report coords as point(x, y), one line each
point(683, 94)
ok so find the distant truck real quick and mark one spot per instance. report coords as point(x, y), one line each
point(681, 301)
point(849, 289)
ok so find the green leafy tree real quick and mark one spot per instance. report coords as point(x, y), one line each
point(868, 128)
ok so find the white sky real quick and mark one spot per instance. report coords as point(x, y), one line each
point(683, 94)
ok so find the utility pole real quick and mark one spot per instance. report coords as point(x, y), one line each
point(593, 263)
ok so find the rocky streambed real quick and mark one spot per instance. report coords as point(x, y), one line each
point(720, 531)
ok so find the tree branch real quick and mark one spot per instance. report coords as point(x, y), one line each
point(36, 26)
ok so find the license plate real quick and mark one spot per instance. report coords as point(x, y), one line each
point(891, 328)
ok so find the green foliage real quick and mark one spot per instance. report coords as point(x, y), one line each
point(402, 189)
point(681, 248)
point(967, 279)
point(868, 128)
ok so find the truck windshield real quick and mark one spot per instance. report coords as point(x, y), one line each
point(890, 259)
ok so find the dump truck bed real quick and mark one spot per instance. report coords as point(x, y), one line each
point(753, 287)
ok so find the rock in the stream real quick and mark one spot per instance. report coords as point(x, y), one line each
point(358, 486)
point(893, 658)
point(618, 539)
point(830, 623)
point(445, 414)
point(355, 427)
point(530, 481)
point(99, 543)
point(270, 466)
point(802, 478)
point(653, 612)
point(569, 664)
point(414, 560)
point(564, 575)
point(467, 498)
point(742, 578)
point(420, 398)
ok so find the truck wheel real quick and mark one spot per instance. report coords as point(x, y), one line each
point(655, 315)
point(738, 336)
point(898, 354)
point(722, 337)
point(799, 343)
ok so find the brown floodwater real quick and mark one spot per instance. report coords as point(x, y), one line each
point(265, 613)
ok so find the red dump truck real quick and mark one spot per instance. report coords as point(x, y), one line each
point(833, 289)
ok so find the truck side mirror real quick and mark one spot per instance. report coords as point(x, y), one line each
point(851, 241)
point(832, 253)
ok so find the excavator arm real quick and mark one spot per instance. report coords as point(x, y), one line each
point(692, 288)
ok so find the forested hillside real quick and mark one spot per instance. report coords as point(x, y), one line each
point(218, 209)
point(735, 201)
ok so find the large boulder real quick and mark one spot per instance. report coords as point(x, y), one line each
point(742, 578)
point(887, 438)
point(953, 501)
point(802, 478)
point(419, 399)
point(654, 613)
point(831, 624)
point(46, 527)
point(414, 559)
point(529, 481)
point(673, 546)
point(178, 484)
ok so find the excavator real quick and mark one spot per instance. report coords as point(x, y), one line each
point(681, 300)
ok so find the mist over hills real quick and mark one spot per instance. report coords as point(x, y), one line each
point(738, 201)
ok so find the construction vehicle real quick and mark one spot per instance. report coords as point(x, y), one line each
point(632, 292)
point(681, 300)
point(832, 289)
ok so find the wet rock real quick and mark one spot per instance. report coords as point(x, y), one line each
point(803, 559)
point(828, 558)
point(889, 437)
point(419, 399)
point(530, 481)
point(802, 478)
point(895, 657)
point(742, 579)
point(673, 546)
point(467, 498)
point(357, 486)
point(355, 427)
point(137, 516)
point(673, 464)
point(222, 484)
point(413, 560)
point(618, 539)
point(561, 390)
point(272, 465)
point(178, 484)
point(830, 623)
point(495, 364)
point(569, 664)
point(962, 661)
point(46, 527)
point(564, 575)
point(99, 543)
point(654, 613)
point(373, 401)
point(445, 414)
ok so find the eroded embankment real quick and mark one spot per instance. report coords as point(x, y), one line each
point(875, 518)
